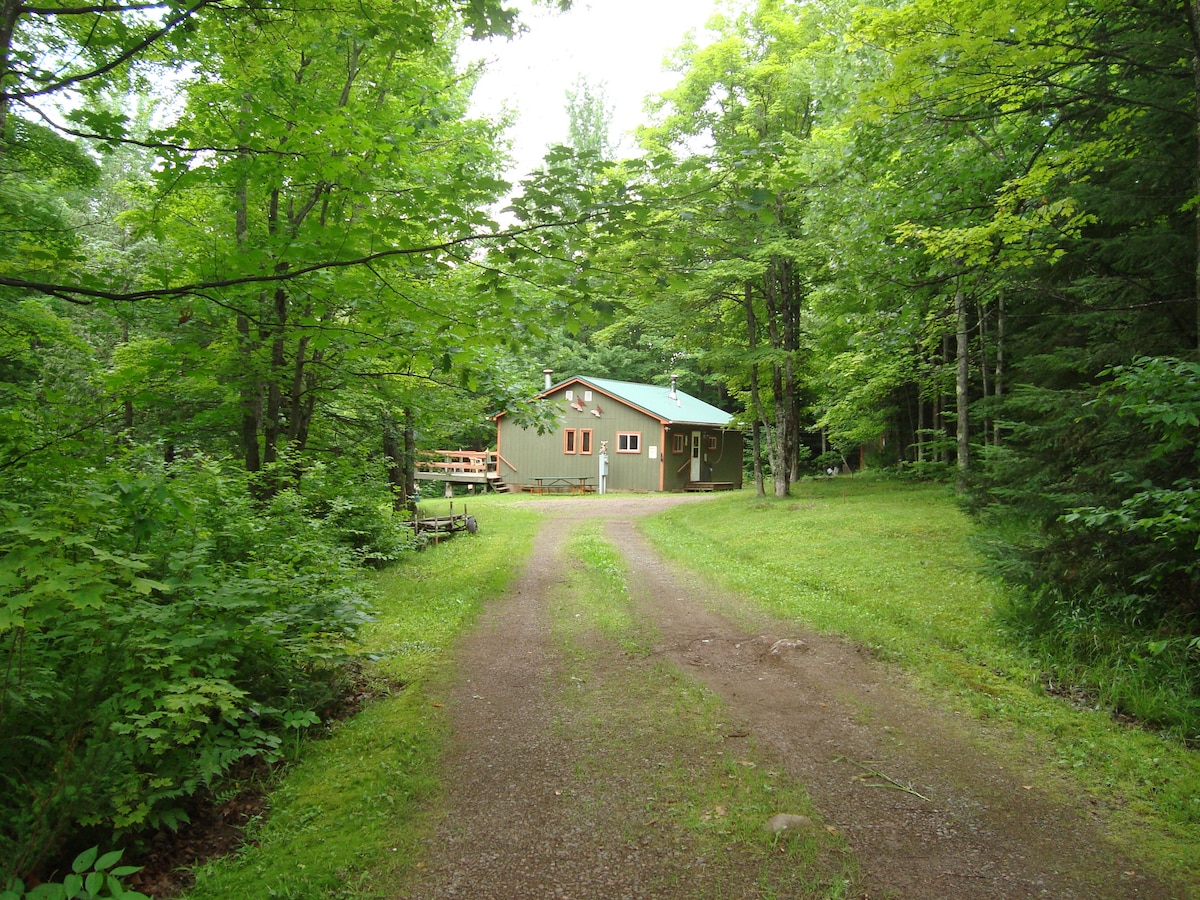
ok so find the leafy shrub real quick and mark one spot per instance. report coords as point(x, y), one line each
point(1103, 535)
point(91, 878)
point(157, 628)
point(357, 508)
point(1154, 515)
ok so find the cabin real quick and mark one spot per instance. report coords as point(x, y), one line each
point(652, 438)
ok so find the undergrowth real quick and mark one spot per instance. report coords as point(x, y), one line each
point(1100, 535)
point(162, 627)
point(348, 818)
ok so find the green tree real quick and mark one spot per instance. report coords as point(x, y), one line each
point(589, 120)
point(752, 98)
point(1035, 168)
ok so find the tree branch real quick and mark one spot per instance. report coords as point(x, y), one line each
point(82, 295)
point(98, 9)
point(124, 56)
point(149, 145)
point(16, 458)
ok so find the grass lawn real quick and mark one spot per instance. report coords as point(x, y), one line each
point(890, 566)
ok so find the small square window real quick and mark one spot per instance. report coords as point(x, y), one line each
point(712, 442)
point(678, 443)
point(629, 442)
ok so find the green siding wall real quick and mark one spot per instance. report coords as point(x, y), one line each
point(542, 455)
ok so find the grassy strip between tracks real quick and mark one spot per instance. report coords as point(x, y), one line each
point(656, 764)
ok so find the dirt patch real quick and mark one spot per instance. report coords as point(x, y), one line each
point(925, 811)
point(215, 829)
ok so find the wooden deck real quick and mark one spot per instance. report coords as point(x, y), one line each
point(462, 467)
point(708, 486)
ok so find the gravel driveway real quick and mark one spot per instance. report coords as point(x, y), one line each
point(906, 788)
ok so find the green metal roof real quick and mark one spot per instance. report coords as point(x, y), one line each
point(683, 409)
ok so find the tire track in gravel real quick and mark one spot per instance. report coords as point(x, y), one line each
point(508, 833)
point(841, 723)
point(844, 724)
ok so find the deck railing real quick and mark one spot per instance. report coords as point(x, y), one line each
point(458, 462)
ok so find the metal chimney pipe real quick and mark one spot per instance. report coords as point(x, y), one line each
point(548, 373)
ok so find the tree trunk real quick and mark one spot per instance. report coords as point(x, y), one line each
point(10, 11)
point(1192, 8)
point(921, 427)
point(393, 449)
point(940, 421)
point(756, 449)
point(300, 395)
point(794, 470)
point(297, 393)
point(400, 447)
point(781, 292)
point(273, 421)
point(963, 430)
point(251, 398)
point(278, 317)
point(937, 424)
point(998, 381)
point(410, 461)
point(780, 468)
point(755, 399)
point(984, 374)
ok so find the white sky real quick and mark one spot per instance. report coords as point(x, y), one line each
point(621, 43)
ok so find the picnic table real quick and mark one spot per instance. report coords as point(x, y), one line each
point(575, 484)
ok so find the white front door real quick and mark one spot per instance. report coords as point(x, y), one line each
point(695, 475)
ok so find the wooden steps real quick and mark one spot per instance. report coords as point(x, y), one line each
point(709, 486)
